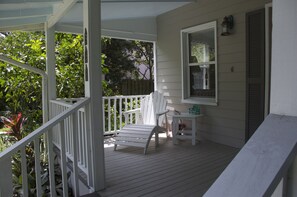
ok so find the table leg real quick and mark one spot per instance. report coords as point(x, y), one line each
point(174, 130)
point(194, 131)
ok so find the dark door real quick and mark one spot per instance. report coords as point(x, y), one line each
point(255, 70)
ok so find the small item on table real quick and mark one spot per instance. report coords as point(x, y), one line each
point(194, 110)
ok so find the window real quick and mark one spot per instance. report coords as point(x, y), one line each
point(199, 64)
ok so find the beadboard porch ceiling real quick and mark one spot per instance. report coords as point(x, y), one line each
point(120, 18)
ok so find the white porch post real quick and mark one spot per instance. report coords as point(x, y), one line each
point(284, 69)
point(50, 63)
point(93, 89)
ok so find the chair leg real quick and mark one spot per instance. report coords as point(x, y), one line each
point(167, 126)
point(115, 146)
point(145, 149)
point(157, 139)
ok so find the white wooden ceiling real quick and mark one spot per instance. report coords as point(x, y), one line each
point(120, 18)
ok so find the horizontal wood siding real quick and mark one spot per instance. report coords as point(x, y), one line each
point(224, 123)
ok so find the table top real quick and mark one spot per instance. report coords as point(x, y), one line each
point(186, 115)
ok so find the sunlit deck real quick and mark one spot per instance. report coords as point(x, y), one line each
point(169, 170)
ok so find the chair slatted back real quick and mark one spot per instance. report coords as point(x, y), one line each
point(160, 104)
point(150, 105)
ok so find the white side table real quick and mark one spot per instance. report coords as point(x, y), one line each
point(186, 134)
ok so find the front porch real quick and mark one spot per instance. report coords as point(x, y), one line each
point(265, 166)
point(169, 170)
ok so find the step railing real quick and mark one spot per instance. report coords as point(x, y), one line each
point(68, 117)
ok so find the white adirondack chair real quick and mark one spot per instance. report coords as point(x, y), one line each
point(149, 117)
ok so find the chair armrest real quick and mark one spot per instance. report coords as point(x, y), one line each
point(131, 111)
point(162, 113)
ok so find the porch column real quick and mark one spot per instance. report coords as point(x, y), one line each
point(284, 69)
point(50, 64)
point(93, 88)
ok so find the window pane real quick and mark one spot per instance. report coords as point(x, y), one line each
point(202, 46)
point(202, 81)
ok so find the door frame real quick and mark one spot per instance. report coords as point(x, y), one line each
point(268, 8)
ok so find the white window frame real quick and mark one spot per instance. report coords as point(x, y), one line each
point(186, 98)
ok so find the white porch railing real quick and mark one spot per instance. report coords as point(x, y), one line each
point(56, 108)
point(63, 121)
point(113, 108)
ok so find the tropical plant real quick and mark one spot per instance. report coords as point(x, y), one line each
point(13, 126)
point(13, 132)
point(45, 182)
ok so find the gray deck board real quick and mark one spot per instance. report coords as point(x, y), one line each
point(169, 170)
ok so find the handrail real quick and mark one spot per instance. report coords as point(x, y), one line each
point(122, 96)
point(41, 130)
point(61, 102)
point(262, 163)
point(22, 65)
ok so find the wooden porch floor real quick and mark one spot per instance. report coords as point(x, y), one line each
point(169, 170)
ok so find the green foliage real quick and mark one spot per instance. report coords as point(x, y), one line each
point(21, 89)
point(31, 174)
point(70, 70)
point(142, 53)
point(123, 58)
point(70, 66)
point(4, 143)
point(117, 62)
point(11, 133)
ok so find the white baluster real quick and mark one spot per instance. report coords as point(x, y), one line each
point(131, 107)
point(88, 146)
point(121, 112)
point(63, 159)
point(103, 113)
point(51, 163)
point(109, 124)
point(80, 138)
point(74, 148)
point(24, 172)
point(115, 114)
point(37, 167)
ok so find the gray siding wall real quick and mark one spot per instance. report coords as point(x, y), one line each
point(224, 123)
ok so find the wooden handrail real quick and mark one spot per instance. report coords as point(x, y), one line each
point(261, 164)
point(122, 96)
point(44, 128)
